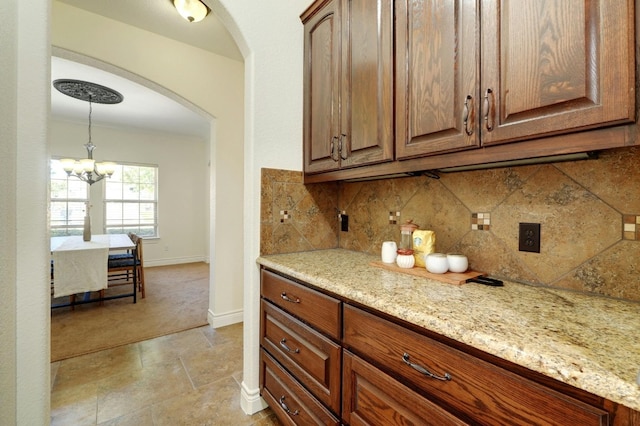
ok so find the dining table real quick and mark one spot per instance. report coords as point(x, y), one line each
point(81, 267)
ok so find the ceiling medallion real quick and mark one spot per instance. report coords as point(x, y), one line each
point(89, 92)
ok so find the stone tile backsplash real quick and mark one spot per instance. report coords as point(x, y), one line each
point(589, 213)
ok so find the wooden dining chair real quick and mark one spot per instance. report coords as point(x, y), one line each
point(121, 266)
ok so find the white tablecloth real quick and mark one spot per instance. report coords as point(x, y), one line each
point(79, 266)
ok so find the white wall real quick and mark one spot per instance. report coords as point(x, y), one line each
point(212, 83)
point(263, 100)
point(270, 35)
point(24, 257)
point(183, 185)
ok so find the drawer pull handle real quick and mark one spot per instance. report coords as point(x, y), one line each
point(283, 343)
point(288, 299)
point(285, 408)
point(405, 358)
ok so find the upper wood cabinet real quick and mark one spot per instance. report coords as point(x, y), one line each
point(348, 84)
point(510, 70)
point(437, 56)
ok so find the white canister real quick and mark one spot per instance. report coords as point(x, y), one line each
point(458, 262)
point(389, 251)
point(406, 261)
point(436, 263)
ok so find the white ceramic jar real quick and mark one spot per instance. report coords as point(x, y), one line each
point(458, 262)
point(436, 263)
point(405, 259)
point(389, 251)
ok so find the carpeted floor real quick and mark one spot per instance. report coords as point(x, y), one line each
point(177, 298)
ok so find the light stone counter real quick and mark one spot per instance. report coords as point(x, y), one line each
point(590, 342)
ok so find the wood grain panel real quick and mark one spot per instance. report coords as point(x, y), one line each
point(314, 308)
point(556, 66)
point(488, 394)
point(312, 358)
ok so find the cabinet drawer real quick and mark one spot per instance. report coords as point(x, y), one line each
point(312, 307)
point(374, 398)
point(311, 357)
point(487, 393)
point(289, 400)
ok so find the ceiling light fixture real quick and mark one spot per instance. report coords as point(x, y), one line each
point(87, 169)
point(191, 10)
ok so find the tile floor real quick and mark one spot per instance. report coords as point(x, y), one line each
point(188, 378)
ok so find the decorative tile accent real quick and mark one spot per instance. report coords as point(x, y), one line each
point(631, 227)
point(480, 221)
point(393, 218)
point(563, 197)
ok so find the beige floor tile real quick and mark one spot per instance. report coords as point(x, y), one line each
point(96, 366)
point(228, 334)
point(214, 404)
point(74, 405)
point(171, 347)
point(188, 378)
point(137, 418)
point(123, 393)
point(213, 364)
point(54, 371)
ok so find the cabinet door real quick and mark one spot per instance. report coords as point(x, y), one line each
point(322, 88)
point(437, 78)
point(367, 102)
point(554, 66)
point(373, 398)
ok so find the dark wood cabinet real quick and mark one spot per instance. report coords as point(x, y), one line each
point(475, 82)
point(554, 67)
point(348, 84)
point(437, 58)
point(377, 370)
point(372, 397)
point(483, 392)
point(301, 354)
point(474, 74)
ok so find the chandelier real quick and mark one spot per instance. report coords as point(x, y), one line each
point(87, 169)
point(191, 10)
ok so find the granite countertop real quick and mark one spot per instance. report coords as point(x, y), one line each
point(590, 342)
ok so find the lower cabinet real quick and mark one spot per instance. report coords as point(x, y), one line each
point(291, 402)
point(371, 397)
point(478, 390)
point(376, 371)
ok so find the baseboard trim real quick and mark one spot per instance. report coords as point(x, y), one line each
point(250, 400)
point(174, 261)
point(222, 320)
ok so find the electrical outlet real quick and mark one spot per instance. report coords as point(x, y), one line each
point(529, 239)
point(344, 223)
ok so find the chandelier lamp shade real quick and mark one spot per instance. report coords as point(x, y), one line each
point(87, 169)
point(191, 10)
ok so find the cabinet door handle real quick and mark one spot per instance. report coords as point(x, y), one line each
point(284, 296)
point(465, 116)
point(285, 408)
point(283, 343)
point(487, 109)
point(341, 145)
point(420, 369)
point(333, 148)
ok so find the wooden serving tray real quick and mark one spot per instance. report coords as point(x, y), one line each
point(457, 278)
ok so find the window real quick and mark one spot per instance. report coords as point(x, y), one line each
point(68, 202)
point(131, 200)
